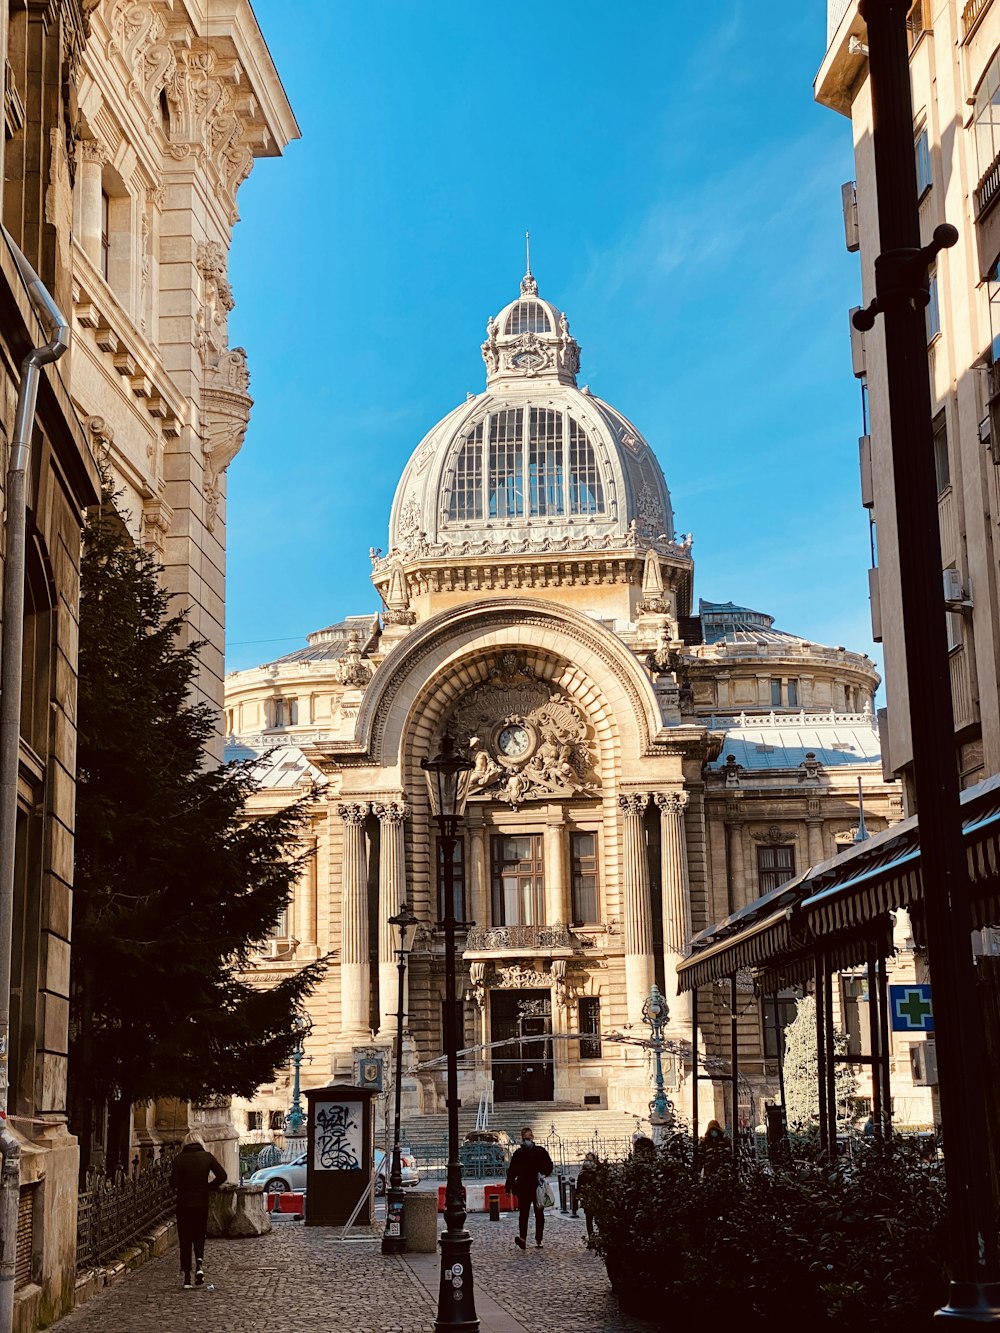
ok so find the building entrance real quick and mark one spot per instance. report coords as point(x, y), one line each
point(522, 1071)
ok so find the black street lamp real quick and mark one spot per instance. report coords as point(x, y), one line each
point(394, 1237)
point(448, 789)
point(902, 294)
point(296, 1117)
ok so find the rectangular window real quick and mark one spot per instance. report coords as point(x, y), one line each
point(590, 1022)
point(518, 874)
point(775, 693)
point(255, 1121)
point(586, 493)
point(953, 625)
point(942, 467)
point(506, 481)
point(583, 878)
point(775, 865)
point(793, 693)
point(458, 880)
point(777, 1011)
point(933, 312)
point(922, 152)
point(286, 712)
point(279, 931)
point(467, 485)
point(545, 461)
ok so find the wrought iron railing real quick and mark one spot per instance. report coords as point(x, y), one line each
point(114, 1212)
point(970, 14)
point(519, 937)
point(989, 187)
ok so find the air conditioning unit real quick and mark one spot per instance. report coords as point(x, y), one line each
point(923, 1064)
point(955, 594)
point(849, 199)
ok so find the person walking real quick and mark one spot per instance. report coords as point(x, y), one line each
point(528, 1168)
point(586, 1182)
point(194, 1173)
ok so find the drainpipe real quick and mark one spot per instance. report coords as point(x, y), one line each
point(54, 323)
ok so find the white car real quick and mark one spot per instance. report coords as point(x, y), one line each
point(292, 1175)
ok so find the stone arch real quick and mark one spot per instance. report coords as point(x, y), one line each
point(439, 660)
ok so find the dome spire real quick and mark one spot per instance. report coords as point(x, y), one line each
point(529, 287)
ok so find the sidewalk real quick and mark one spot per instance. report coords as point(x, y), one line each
point(304, 1280)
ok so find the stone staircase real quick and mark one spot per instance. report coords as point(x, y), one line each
point(567, 1128)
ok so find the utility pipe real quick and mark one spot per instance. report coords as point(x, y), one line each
point(15, 497)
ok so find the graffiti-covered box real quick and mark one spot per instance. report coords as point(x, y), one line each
point(340, 1155)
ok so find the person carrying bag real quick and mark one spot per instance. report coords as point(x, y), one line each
point(526, 1174)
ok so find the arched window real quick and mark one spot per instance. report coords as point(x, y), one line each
point(538, 463)
point(528, 317)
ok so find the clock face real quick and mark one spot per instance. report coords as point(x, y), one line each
point(513, 741)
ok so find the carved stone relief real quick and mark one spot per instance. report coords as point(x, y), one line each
point(526, 740)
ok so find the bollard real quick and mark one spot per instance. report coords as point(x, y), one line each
point(494, 1209)
point(562, 1194)
point(572, 1199)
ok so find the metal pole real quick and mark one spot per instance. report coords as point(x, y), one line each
point(901, 298)
point(456, 1302)
point(296, 1117)
point(734, 1064)
point(16, 503)
point(394, 1237)
point(694, 1064)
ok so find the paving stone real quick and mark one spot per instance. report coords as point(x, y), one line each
point(303, 1280)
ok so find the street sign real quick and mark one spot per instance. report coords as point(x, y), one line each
point(911, 1008)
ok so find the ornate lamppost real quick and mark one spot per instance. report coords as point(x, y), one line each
point(448, 789)
point(394, 1238)
point(296, 1117)
point(656, 1012)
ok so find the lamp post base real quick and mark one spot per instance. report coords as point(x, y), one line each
point(972, 1303)
point(394, 1237)
point(456, 1301)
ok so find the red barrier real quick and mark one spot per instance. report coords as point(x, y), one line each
point(286, 1203)
point(442, 1191)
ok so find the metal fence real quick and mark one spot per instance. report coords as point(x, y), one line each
point(485, 1161)
point(114, 1212)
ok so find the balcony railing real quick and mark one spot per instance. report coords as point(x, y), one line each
point(918, 21)
point(113, 1212)
point(971, 13)
point(520, 937)
point(989, 187)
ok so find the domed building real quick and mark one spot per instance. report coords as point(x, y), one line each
point(641, 767)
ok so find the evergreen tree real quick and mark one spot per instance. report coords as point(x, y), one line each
point(801, 1071)
point(174, 884)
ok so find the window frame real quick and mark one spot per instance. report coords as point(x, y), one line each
point(766, 873)
point(922, 158)
point(534, 873)
point(590, 1046)
point(579, 869)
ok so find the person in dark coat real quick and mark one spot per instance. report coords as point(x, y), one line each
point(194, 1173)
point(586, 1181)
point(529, 1165)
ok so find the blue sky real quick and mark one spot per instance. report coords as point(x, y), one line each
point(683, 195)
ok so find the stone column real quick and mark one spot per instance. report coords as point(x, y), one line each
point(738, 895)
point(354, 970)
point(304, 902)
point(814, 833)
point(638, 910)
point(556, 899)
point(676, 898)
point(391, 892)
point(93, 155)
point(477, 871)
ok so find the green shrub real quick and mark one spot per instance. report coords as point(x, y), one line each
point(861, 1243)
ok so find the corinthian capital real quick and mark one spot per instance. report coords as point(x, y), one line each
point(673, 802)
point(390, 812)
point(353, 813)
point(633, 803)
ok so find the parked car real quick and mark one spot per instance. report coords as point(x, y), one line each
point(292, 1175)
point(485, 1152)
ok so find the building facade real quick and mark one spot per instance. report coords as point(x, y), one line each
point(955, 76)
point(641, 764)
point(129, 127)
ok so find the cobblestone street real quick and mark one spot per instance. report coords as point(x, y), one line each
point(304, 1280)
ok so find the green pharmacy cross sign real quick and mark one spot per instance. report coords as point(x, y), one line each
point(911, 1008)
